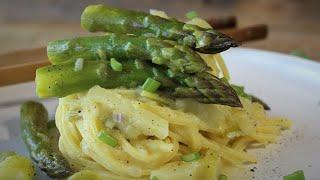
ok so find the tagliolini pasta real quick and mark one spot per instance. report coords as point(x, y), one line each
point(152, 137)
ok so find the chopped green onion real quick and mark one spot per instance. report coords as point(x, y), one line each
point(298, 175)
point(168, 52)
point(223, 177)
point(51, 124)
point(151, 85)
point(115, 65)
point(78, 65)
point(139, 64)
point(106, 138)
point(299, 53)
point(191, 157)
point(170, 73)
point(154, 178)
point(102, 54)
point(191, 14)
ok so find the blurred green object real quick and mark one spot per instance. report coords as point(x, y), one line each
point(298, 175)
point(299, 53)
point(240, 91)
point(223, 177)
point(191, 14)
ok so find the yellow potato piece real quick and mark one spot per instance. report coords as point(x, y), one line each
point(16, 167)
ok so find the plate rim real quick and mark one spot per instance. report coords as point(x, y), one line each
point(282, 54)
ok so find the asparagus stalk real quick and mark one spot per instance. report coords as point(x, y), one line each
point(33, 127)
point(241, 93)
point(61, 79)
point(258, 100)
point(167, 53)
point(209, 89)
point(108, 19)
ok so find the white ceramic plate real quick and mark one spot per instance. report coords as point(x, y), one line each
point(290, 85)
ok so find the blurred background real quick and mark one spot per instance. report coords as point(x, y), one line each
point(294, 25)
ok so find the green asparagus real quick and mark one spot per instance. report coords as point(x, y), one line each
point(241, 93)
point(109, 19)
point(209, 88)
point(258, 100)
point(33, 126)
point(61, 79)
point(162, 52)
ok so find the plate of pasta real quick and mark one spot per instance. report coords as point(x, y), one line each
point(156, 98)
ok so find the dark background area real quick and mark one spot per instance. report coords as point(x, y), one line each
point(293, 24)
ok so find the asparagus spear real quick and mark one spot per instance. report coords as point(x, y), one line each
point(33, 127)
point(167, 53)
point(258, 100)
point(240, 92)
point(108, 19)
point(61, 79)
point(209, 89)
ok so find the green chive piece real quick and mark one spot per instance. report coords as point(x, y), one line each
point(151, 85)
point(115, 65)
point(223, 177)
point(78, 65)
point(191, 157)
point(170, 73)
point(106, 138)
point(51, 124)
point(102, 54)
point(154, 178)
point(191, 14)
point(139, 64)
point(299, 53)
point(298, 175)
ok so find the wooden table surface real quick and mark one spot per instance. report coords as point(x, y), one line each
point(293, 24)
